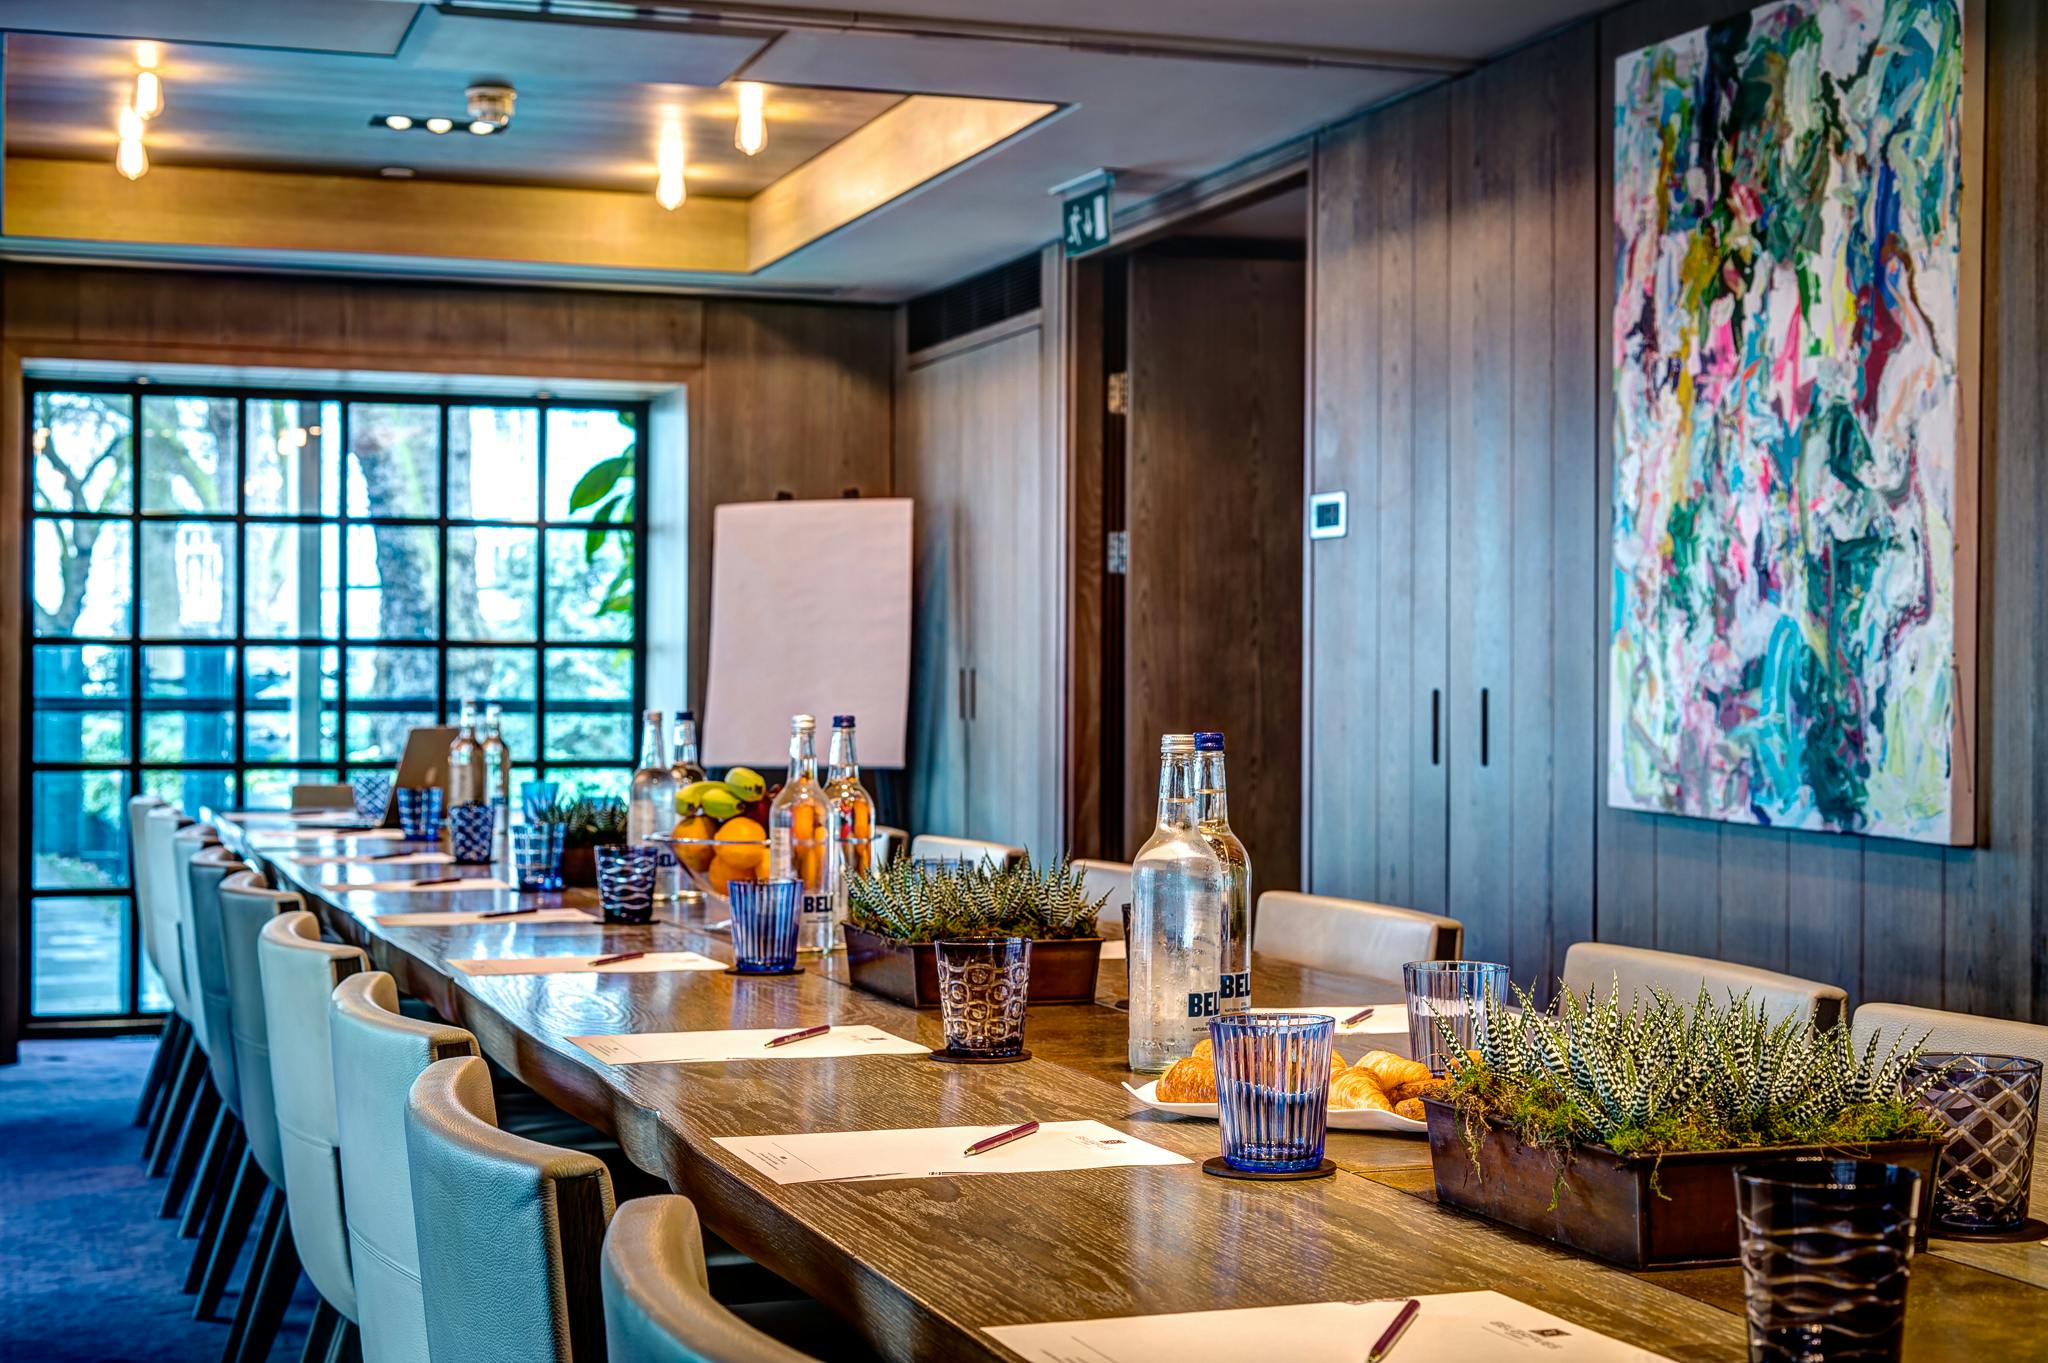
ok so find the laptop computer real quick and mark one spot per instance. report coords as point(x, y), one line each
point(423, 763)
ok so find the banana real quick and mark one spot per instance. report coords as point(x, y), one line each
point(692, 796)
point(720, 803)
point(746, 784)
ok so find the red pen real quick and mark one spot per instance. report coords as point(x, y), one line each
point(1395, 1329)
point(788, 1037)
point(1001, 1138)
point(1358, 1017)
point(622, 956)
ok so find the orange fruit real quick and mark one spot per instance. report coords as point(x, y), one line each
point(803, 823)
point(862, 822)
point(737, 857)
point(700, 829)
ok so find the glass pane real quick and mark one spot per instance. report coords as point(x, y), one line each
point(590, 735)
point(292, 706)
point(294, 587)
point(589, 674)
point(502, 676)
point(188, 705)
point(81, 703)
point(394, 459)
point(80, 829)
point(82, 583)
point(391, 690)
point(192, 791)
point(188, 579)
point(294, 458)
point(590, 584)
point(393, 577)
point(188, 454)
point(493, 584)
point(271, 787)
point(83, 452)
point(591, 783)
point(590, 465)
point(79, 956)
point(493, 464)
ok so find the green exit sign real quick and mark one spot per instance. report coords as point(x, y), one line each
point(1084, 218)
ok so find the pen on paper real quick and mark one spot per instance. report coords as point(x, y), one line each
point(788, 1037)
point(1001, 1138)
point(1391, 1336)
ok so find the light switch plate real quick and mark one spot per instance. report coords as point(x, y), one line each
point(1326, 514)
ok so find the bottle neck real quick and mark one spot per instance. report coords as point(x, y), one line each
point(652, 753)
point(803, 758)
point(1177, 790)
point(468, 717)
point(494, 723)
point(843, 762)
point(1215, 805)
point(686, 742)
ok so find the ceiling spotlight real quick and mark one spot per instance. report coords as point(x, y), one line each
point(149, 94)
point(668, 162)
point(146, 55)
point(482, 128)
point(438, 126)
point(490, 102)
point(398, 123)
point(751, 132)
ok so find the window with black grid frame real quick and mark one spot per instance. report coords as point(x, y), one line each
point(233, 591)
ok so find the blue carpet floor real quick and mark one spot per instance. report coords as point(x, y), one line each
point(88, 1273)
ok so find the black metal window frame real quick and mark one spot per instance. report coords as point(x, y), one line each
point(237, 642)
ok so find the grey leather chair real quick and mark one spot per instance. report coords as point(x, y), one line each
point(211, 1140)
point(299, 973)
point(657, 1306)
point(509, 1230)
point(1112, 878)
point(172, 1039)
point(1605, 965)
point(180, 848)
point(1351, 936)
point(969, 851)
point(188, 1085)
point(378, 1053)
point(204, 872)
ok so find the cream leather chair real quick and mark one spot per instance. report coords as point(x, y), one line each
point(657, 1306)
point(1351, 936)
point(179, 849)
point(888, 844)
point(188, 1084)
point(1112, 878)
point(378, 1053)
point(1965, 1033)
point(1604, 966)
point(299, 973)
point(967, 851)
point(509, 1229)
point(172, 1039)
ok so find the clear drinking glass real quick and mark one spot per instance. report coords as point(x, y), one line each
point(984, 985)
point(1453, 993)
point(1826, 1249)
point(625, 882)
point(537, 855)
point(419, 812)
point(470, 827)
point(1993, 1102)
point(372, 792)
point(764, 923)
point(1273, 1089)
point(535, 796)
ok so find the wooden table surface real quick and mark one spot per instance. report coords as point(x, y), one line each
point(921, 1266)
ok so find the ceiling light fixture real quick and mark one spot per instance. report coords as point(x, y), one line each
point(149, 94)
point(437, 126)
point(129, 158)
point(146, 54)
point(668, 162)
point(490, 103)
point(750, 134)
point(398, 123)
point(482, 128)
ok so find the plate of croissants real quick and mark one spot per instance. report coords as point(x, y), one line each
point(1380, 1091)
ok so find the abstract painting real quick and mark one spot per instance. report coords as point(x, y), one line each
point(1793, 496)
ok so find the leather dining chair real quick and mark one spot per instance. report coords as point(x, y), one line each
point(299, 973)
point(1601, 966)
point(967, 851)
point(509, 1230)
point(171, 1038)
point(212, 1139)
point(887, 844)
point(1964, 1033)
point(188, 1085)
point(657, 1306)
point(1351, 936)
point(1112, 878)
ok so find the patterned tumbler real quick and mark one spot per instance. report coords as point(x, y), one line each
point(1993, 1102)
point(984, 985)
point(625, 882)
point(470, 830)
point(537, 855)
point(419, 812)
point(372, 793)
point(1826, 1249)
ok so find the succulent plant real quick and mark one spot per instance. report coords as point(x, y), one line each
point(911, 901)
point(589, 823)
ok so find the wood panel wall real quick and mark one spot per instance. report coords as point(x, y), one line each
point(1526, 390)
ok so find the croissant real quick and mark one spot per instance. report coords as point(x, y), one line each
point(1409, 1107)
point(1420, 1088)
point(1392, 1070)
point(1192, 1080)
point(1355, 1089)
point(1204, 1050)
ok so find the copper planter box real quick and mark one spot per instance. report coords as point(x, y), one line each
point(1062, 971)
point(1607, 1207)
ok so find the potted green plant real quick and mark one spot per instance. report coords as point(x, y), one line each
point(1616, 1131)
point(586, 825)
point(896, 914)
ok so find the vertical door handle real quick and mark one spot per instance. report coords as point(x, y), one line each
point(974, 693)
point(960, 675)
point(1485, 726)
point(1436, 723)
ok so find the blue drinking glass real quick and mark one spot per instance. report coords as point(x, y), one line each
point(1273, 1089)
point(764, 922)
point(625, 882)
point(419, 812)
point(372, 792)
point(470, 829)
point(535, 796)
point(537, 855)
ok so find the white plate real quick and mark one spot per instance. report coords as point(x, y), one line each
point(1341, 1119)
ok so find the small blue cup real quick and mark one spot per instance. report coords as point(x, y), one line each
point(535, 796)
point(419, 812)
point(470, 830)
point(1273, 1089)
point(372, 793)
point(537, 855)
point(764, 923)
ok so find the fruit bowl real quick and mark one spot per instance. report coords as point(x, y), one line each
point(710, 864)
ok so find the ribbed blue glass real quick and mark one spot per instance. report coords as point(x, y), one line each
point(419, 812)
point(535, 796)
point(470, 827)
point(537, 855)
point(1273, 1089)
point(764, 924)
point(625, 882)
point(1453, 994)
point(372, 793)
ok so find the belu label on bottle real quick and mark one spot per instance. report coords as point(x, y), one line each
point(817, 906)
point(1202, 1004)
point(1238, 986)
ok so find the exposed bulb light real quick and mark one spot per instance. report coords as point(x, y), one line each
point(750, 134)
point(129, 158)
point(483, 127)
point(149, 94)
point(398, 123)
point(129, 125)
point(668, 161)
point(440, 125)
point(146, 54)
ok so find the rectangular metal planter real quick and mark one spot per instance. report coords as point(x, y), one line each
point(1062, 971)
point(1607, 1206)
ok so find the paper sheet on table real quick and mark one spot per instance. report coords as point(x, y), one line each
point(1453, 1327)
point(1113, 950)
point(466, 885)
point(453, 919)
point(936, 1152)
point(655, 1048)
point(651, 963)
point(1388, 1020)
point(376, 859)
point(269, 835)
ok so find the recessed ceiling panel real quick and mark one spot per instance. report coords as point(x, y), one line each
point(612, 51)
point(367, 26)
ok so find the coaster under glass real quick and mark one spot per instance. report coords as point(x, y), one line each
point(762, 974)
point(968, 1058)
point(1222, 1168)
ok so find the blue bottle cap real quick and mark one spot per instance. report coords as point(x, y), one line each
point(690, 715)
point(842, 721)
point(1209, 741)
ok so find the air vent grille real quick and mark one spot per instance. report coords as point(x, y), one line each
point(981, 301)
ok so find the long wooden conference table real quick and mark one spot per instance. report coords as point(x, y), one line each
point(922, 1266)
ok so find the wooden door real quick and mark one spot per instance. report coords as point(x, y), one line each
point(1214, 586)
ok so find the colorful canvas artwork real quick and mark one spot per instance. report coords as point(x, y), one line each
point(1792, 551)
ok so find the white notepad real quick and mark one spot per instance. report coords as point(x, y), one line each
point(1452, 1327)
point(452, 919)
point(373, 859)
point(1388, 1019)
point(466, 885)
point(702, 1048)
point(269, 835)
point(651, 963)
point(939, 1151)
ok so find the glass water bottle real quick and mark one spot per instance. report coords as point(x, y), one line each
point(497, 778)
point(1212, 816)
point(853, 815)
point(798, 843)
point(651, 808)
point(687, 768)
point(465, 761)
point(1179, 913)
